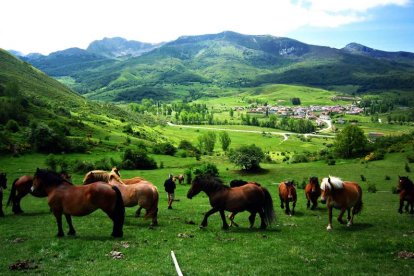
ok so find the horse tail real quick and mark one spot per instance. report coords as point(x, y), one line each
point(118, 212)
point(358, 206)
point(269, 212)
point(12, 195)
point(153, 210)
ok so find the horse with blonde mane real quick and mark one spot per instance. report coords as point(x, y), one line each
point(142, 193)
point(343, 195)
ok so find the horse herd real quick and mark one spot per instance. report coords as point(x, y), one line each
point(110, 193)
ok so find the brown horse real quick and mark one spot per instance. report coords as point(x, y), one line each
point(22, 186)
point(238, 183)
point(101, 175)
point(406, 189)
point(342, 195)
point(142, 193)
point(287, 193)
point(3, 185)
point(180, 178)
point(248, 197)
point(65, 198)
point(312, 192)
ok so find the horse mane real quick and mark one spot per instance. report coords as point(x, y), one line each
point(336, 182)
point(51, 178)
point(408, 184)
point(210, 182)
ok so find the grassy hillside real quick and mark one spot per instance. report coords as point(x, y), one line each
point(31, 100)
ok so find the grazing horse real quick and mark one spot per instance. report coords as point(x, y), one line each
point(22, 186)
point(3, 185)
point(312, 192)
point(248, 197)
point(406, 189)
point(180, 178)
point(342, 195)
point(65, 198)
point(287, 193)
point(142, 193)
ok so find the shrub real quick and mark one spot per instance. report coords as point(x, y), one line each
point(372, 188)
point(137, 159)
point(165, 148)
point(298, 158)
point(407, 168)
point(410, 158)
point(45, 139)
point(247, 157)
point(363, 178)
point(188, 176)
point(331, 162)
point(207, 168)
point(387, 177)
point(12, 126)
point(82, 166)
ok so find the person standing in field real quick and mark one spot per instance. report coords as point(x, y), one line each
point(169, 186)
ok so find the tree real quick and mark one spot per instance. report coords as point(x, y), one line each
point(231, 112)
point(247, 157)
point(207, 141)
point(350, 142)
point(224, 140)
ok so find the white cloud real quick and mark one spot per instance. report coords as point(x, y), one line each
point(49, 25)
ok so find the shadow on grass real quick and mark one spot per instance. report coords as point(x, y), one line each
point(30, 214)
point(354, 227)
point(270, 229)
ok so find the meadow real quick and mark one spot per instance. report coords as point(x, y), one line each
point(292, 245)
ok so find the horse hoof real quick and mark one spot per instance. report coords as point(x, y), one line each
point(349, 224)
point(329, 228)
point(225, 227)
point(202, 227)
point(71, 233)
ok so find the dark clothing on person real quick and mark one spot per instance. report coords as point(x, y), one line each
point(169, 186)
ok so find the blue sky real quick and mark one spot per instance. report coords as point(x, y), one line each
point(50, 25)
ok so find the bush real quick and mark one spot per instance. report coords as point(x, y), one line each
point(407, 168)
point(247, 157)
point(207, 168)
point(372, 188)
point(410, 158)
point(12, 126)
point(387, 177)
point(45, 139)
point(331, 162)
point(298, 158)
point(137, 159)
point(82, 166)
point(188, 176)
point(165, 148)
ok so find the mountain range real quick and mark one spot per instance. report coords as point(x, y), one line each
point(114, 69)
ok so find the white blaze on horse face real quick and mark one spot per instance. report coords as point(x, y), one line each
point(32, 189)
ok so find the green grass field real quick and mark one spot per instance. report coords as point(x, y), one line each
point(292, 245)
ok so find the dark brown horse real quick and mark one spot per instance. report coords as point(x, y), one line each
point(142, 193)
point(342, 195)
point(287, 193)
point(64, 198)
point(21, 187)
point(3, 185)
point(312, 192)
point(249, 197)
point(406, 189)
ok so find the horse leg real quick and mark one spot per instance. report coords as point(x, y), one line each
point(349, 214)
point(281, 203)
point(308, 201)
point(293, 207)
point(58, 217)
point(72, 231)
point(340, 215)
point(16, 203)
point(204, 222)
point(314, 204)
point(252, 218)
point(154, 218)
point(351, 220)
point(231, 218)
point(412, 207)
point(287, 211)
point(262, 218)
point(330, 218)
point(223, 218)
point(401, 206)
point(1, 204)
point(138, 212)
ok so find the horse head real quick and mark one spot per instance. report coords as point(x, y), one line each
point(313, 180)
point(3, 180)
point(116, 171)
point(325, 189)
point(196, 187)
point(290, 187)
point(404, 183)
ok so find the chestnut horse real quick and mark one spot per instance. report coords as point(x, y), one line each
point(21, 187)
point(237, 183)
point(249, 197)
point(342, 195)
point(287, 193)
point(312, 192)
point(406, 189)
point(180, 178)
point(142, 193)
point(65, 198)
point(3, 185)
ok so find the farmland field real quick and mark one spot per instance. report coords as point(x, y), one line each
point(293, 245)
